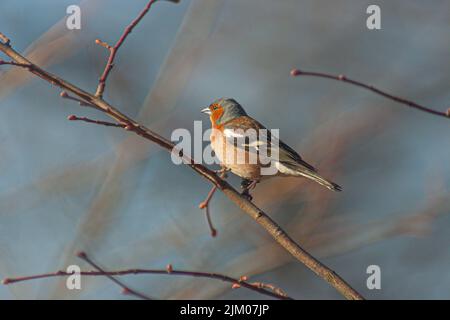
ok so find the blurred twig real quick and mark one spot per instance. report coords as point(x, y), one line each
point(247, 206)
point(125, 288)
point(343, 78)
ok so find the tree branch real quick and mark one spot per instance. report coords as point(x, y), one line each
point(409, 103)
point(259, 287)
point(247, 206)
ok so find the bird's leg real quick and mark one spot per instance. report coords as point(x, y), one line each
point(245, 183)
point(246, 186)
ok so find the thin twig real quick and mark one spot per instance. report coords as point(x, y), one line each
point(12, 63)
point(343, 78)
point(113, 49)
point(100, 122)
point(209, 221)
point(205, 204)
point(82, 103)
point(125, 288)
point(268, 290)
point(245, 204)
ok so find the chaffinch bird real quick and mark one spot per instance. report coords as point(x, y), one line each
point(229, 121)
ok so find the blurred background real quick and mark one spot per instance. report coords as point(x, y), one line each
point(69, 186)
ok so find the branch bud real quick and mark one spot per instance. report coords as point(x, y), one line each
point(296, 72)
point(243, 278)
point(81, 254)
point(126, 291)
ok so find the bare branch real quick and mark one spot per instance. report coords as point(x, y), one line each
point(409, 103)
point(205, 204)
point(103, 123)
point(259, 287)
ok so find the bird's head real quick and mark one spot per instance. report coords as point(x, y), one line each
point(223, 110)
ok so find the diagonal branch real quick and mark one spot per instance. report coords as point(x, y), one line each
point(247, 206)
point(409, 103)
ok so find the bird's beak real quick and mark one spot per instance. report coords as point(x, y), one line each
point(206, 110)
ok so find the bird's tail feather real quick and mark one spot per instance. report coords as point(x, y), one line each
point(322, 181)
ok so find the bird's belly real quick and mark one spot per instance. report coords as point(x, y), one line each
point(241, 163)
point(246, 171)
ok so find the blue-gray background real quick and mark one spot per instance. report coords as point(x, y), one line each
point(68, 186)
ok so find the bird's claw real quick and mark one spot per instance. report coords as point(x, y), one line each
point(247, 195)
point(246, 186)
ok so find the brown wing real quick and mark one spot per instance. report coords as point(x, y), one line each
point(287, 155)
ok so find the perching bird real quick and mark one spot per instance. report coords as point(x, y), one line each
point(229, 121)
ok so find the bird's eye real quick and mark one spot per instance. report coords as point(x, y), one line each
point(215, 107)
